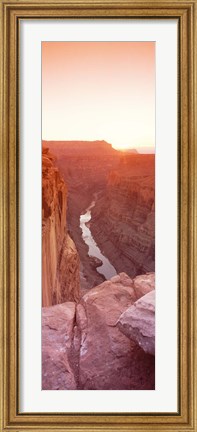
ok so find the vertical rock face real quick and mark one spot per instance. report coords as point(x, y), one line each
point(123, 220)
point(60, 261)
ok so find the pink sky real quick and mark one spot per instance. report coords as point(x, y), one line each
point(99, 90)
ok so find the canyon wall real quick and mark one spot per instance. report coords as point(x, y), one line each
point(84, 166)
point(123, 220)
point(79, 148)
point(60, 260)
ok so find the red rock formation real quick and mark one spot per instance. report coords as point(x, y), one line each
point(84, 166)
point(143, 284)
point(60, 261)
point(123, 220)
point(57, 339)
point(80, 148)
point(138, 322)
point(97, 354)
point(108, 359)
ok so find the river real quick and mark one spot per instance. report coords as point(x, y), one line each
point(106, 269)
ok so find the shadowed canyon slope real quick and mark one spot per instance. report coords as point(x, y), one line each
point(123, 219)
point(60, 260)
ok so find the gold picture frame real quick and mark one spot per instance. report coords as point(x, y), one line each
point(12, 12)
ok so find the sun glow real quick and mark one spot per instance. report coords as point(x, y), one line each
point(99, 90)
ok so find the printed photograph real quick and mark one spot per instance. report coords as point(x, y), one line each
point(98, 216)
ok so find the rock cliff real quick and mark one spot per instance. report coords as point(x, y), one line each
point(123, 219)
point(83, 346)
point(84, 166)
point(80, 148)
point(60, 261)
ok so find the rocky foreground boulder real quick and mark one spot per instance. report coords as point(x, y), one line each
point(143, 284)
point(138, 322)
point(57, 339)
point(84, 347)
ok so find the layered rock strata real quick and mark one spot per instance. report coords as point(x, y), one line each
point(84, 346)
point(60, 260)
point(123, 219)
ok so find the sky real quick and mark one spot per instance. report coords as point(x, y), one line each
point(99, 91)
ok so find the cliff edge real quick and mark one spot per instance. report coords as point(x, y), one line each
point(60, 260)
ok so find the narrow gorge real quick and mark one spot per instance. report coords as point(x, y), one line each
point(98, 282)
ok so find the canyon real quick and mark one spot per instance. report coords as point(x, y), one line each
point(97, 333)
point(123, 218)
point(84, 166)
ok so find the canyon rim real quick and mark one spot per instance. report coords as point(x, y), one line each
point(98, 216)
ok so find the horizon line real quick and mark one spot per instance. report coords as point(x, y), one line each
point(103, 140)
